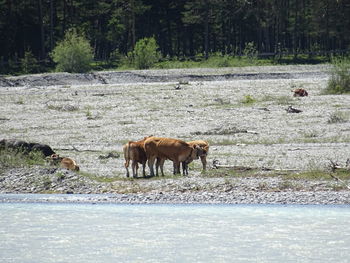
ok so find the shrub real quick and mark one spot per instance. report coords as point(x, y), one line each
point(145, 53)
point(248, 100)
point(250, 51)
point(29, 63)
point(339, 82)
point(73, 53)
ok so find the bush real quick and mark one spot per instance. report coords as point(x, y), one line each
point(248, 100)
point(73, 53)
point(339, 82)
point(145, 53)
point(29, 63)
point(250, 51)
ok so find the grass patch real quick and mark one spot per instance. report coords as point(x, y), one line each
point(319, 175)
point(20, 101)
point(214, 61)
point(339, 82)
point(280, 100)
point(338, 117)
point(248, 100)
point(14, 159)
point(100, 179)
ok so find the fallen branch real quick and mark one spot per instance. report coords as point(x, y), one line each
point(76, 149)
point(234, 167)
point(106, 94)
point(216, 165)
point(333, 166)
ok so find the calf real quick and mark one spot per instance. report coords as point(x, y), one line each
point(167, 148)
point(135, 152)
point(204, 145)
point(64, 162)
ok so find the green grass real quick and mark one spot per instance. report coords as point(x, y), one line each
point(318, 174)
point(338, 117)
point(248, 100)
point(214, 61)
point(100, 179)
point(14, 159)
point(339, 82)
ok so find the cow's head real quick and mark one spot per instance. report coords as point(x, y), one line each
point(54, 159)
point(54, 156)
point(197, 151)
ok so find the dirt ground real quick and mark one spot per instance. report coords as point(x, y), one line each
point(240, 111)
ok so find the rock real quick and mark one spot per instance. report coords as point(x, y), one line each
point(25, 147)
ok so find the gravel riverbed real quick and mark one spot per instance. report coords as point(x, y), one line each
point(240, 111)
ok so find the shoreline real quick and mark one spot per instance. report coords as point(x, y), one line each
point(31, 186)
point(286, 198)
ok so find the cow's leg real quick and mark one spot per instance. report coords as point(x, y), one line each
point(126, 165)
point(135, 166)
point(144, 169)
point(177, 167)
point(157, 166)
point(204, 162)
point(150, 165)
point(184, 168)
point(161, 164)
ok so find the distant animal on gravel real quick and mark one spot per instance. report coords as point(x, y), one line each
point(205, 150)
point(300, 93)
point(178, 151)
point(135, 152)
point(25, 147)
point(64, 162)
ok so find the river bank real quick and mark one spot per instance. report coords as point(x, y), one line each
point(250, 189)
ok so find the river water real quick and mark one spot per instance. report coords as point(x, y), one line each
point(63, 232)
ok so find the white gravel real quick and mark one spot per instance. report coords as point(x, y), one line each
point(84, 119)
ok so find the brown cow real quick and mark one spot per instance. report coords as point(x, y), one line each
point(135, 152)
point(300, 93)
point(167, 148)
point(64, 162)
point(205, 150)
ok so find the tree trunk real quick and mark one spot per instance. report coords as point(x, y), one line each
point(42, 36)
point(206, 30)
point(51, 24)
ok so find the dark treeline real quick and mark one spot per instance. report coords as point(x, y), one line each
point(181, 28)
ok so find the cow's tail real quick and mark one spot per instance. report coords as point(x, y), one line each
point(127, 155)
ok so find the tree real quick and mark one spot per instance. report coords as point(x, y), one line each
point(145, 53)
point(29, 64)
point(73, 54)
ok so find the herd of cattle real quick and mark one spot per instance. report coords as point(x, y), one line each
point(153, 149)
point(156, 150)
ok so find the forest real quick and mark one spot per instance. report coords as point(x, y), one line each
point(183, 29)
